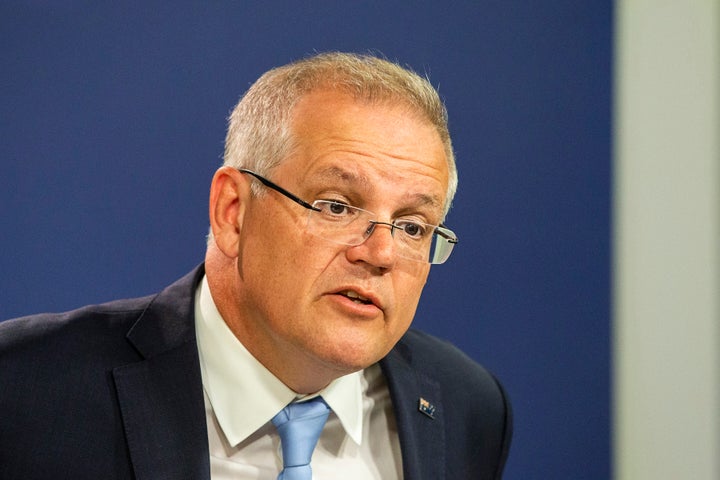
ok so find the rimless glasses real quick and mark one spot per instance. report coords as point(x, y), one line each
point(345, 224)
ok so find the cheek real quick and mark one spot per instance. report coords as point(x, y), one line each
point(284, 265)
point(267, 259)
point(273, 242)
point(411, 279)
point(408, 289)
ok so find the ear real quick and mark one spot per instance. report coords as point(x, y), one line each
point(229, 196)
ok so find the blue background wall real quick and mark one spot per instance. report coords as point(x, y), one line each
point(112, 124)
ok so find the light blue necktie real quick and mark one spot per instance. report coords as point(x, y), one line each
point(299, 425)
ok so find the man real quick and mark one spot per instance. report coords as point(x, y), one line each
point(325, 219)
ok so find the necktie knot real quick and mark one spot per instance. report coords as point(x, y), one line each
point(299, 425)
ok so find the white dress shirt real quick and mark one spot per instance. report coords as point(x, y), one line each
point(359, 441)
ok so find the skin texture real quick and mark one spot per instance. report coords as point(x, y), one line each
point(280, 289)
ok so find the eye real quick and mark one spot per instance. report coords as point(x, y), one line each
point(337, 208)
point(413, 230)
point(332, 210)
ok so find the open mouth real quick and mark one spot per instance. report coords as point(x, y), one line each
point(355, 297)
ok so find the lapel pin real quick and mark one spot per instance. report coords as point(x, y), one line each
point(426, 407)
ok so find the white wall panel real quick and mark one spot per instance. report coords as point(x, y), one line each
point(667, 241)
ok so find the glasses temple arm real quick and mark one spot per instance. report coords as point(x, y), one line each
point(278, 188)
point(449, 238)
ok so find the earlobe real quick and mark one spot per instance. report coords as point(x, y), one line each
point(229, 194)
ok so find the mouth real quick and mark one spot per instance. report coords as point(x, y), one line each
point(359, 297)
point(356, 297)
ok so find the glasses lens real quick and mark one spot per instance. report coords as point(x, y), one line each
point(338, 222)
point(348, 225)
point(443, 242)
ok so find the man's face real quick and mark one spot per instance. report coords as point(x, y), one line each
point(297, 288)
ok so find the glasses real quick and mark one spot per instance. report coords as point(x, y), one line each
point(345, 224)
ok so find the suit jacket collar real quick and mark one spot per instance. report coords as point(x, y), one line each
point(168, 320)
point(418, 410)
point(161, 397)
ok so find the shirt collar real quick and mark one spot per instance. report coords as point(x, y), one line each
point(244, 394)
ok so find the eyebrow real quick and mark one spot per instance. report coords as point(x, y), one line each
point(427, 199)
point(346, 176)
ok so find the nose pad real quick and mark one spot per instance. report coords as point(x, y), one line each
point(371, 228)
point(378, 251)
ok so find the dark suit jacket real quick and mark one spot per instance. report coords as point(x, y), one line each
point(114, 391)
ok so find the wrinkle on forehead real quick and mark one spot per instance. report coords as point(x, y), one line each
point(334, 172)
point(374, 149)
point(360, 181)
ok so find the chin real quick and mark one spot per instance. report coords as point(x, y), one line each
point(351, 357)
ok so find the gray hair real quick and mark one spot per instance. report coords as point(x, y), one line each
point(259, 136)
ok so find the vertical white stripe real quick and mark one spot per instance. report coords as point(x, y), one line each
point(667, 240)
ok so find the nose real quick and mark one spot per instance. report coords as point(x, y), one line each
point(378, 249)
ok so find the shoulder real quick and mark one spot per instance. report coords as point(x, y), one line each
point(93, 327)
point(63, 323)
point(474, 406)
point(441, 359)
point(457, 375)
point(97, 328)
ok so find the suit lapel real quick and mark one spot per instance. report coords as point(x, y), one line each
point(419, 415)
point(161, 397)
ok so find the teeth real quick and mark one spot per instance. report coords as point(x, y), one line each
point(356, 297)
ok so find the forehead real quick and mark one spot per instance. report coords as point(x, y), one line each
point(366, 145)
point(353, 179)
point(324, 122)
